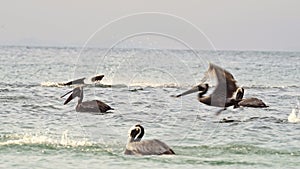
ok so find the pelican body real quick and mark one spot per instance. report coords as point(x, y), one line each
point(147, 147)
point(226, 92)
point(86, 106)
point(247, 102)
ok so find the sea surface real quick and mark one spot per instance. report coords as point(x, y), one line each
point(38, 131)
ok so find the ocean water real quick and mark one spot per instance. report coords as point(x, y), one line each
point(38, 131)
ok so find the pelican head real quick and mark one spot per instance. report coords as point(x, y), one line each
point(136, 133)
point(135, 146)
point(76, 92)
point(199, 88)
point(239, 93)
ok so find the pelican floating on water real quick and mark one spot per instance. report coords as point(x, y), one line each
point(226, 92)
point(86, 106)
point(147, 147)
point(247, 102)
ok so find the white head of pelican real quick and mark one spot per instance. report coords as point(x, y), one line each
point(147, 147)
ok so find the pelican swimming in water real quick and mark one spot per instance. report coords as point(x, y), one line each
point(226, 92)
point(86, 106)
point(247, 102)
point(147, 147)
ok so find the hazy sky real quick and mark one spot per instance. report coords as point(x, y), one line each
point(230, 24)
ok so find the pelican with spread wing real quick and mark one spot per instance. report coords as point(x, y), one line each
point(93, 79)
point(226, 92)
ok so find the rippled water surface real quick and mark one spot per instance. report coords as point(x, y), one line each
point(38, 131)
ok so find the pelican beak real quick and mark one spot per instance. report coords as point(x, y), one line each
point(69, 99)
point(66, 94)
point(192, 90)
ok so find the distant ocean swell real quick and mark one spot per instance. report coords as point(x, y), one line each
point(161, 85)
point(46, 142)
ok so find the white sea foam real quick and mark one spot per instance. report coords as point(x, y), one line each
point(294, 117)
point(28, 138)
point(51, 84)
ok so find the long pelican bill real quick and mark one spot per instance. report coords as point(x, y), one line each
point(66, 94)
point(69, 99)
point(192, 90)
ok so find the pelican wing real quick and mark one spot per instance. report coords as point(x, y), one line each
point(97, 78)
point(148, 147)
point(226, 85)
point(77, 81)
point(102, 106)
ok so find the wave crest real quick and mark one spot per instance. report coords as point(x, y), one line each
point(31, 139)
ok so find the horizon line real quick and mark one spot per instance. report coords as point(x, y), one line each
point(94, 47)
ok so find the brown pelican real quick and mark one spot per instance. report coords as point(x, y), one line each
point(81, 80)
point(247, 102)
point(86, 106)
point(226, 92)
point(147, 147)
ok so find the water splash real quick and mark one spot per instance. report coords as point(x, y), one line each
point(294, 117)
point(51, 84)
point(32, 139)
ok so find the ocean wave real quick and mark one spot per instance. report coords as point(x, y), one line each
point(120, 85)
point(173, 85)
point(15, 85)
point(236, 148)
point(160, 85)
point(13, 98)
point(37, 139)
point(251, 119)
point(155, 85)
point(270, 86)
point(51, 84)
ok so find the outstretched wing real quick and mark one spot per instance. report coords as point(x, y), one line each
point(97, 78)
point(77, 81)
point(226, 85)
